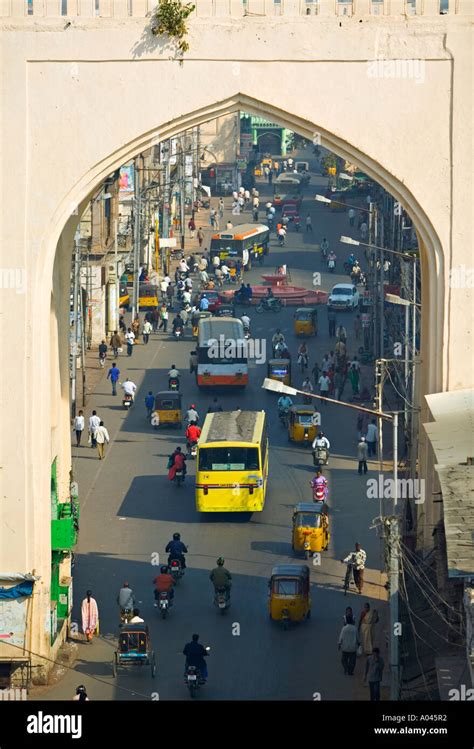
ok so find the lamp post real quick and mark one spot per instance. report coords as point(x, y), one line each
point(279, 387)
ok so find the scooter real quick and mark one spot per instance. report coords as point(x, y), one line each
point(178, 333)
point(331, 265)
point(164, 603)
point(273, 305)
point(173, 384)
point(222, 599)
point(246, 332)
point(193, 678)
point(175, 569)
point(127, 401)
point(192, 450)
point(320, 493)
point(179, 478)
point(283, 416)
point(320, 456)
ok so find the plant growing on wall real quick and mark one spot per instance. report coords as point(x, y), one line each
point(169, 19)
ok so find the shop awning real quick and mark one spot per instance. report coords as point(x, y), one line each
point(451, 436)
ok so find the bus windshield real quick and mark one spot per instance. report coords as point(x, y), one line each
point(229, 459)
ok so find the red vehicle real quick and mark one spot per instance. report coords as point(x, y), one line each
point(214, 299)
point(291, 211)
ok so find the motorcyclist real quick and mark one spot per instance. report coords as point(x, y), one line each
point(129, 388)
point(192, 434)
point(195, 654)
point(307, 387)
point(284, 404)
point(178, 323)
point(164, 583)
point(136, 618)
point(176, 550)
point(204, 303)
point(177, 462)
point(320, 481)
point(241, 294)
point(321, 441)
point(173, 374)
point(332, 257)
point(277, 338)
point(352, 260)
point(303, 352)
point(221, 577)
point(192, 416)
point(125, 598)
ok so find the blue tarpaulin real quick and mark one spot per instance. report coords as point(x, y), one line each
point(18, 591)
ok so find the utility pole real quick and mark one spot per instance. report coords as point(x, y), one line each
point(182, 187)
point(116, 318)
point(394, 546)
point(75, 345)
point(136, 240)
point(166, 201)
point(83, 343)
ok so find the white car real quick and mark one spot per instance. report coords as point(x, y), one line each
point(344, 296)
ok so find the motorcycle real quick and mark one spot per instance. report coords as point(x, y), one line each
point(192, 450)
point(193, 678)
point(222, 599)
point(178, 333)
point(246, 332)
point(272, 305)
point(320, 456)
point(173, 384)
point(320, 493)
point(331, 265)
point(125, 615)
point(283, 416)
point(127, 401)
point(179, 478)
point(175, 569)
point(164, 603)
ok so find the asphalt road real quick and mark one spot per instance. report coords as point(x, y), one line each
point(129, 511)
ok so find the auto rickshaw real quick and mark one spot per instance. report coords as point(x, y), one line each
point(134, 649)
point(290, 599)
point(306, 321)
point(310, 528)
point(279, 369)
point(167, 409)
point(195, 321)
point(225, 310)
point(302, 424)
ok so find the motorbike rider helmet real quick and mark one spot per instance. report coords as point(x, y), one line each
point(192, 406)
point(163, 569)
point(176, 536)
point(220, 561)
point(80, 689)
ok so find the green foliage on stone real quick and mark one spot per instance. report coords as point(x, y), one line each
point(169, 19)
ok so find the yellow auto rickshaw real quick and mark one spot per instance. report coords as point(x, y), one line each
point(267, 162)
point(167, 409)
point(290, 599)
point(302, 424)
point(310, 528)
point(279, 369)
point(195, 321)
point(306, 321)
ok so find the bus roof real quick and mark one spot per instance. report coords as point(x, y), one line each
point(289, 177)
point(242, 231)
point(213, 327)
point(233, 426)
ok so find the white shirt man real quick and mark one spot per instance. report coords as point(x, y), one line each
point(183, 266)
point(245, 321)
point(188, 284)
point(216, 261)
point(137, 620)
point(256, 202)
point(282, 232)
point(247, 195)
point(129, 388)
point(79, 422)
point(192, 415)
point(229, 225)
point(320, 442)
point(102, 435)
point(130, 337)
point(94, 422)
point(186, 298)
point(323, 383)
point(325, 364)
point(241, 202)
point(245, 257)
point(173, 372)
point(163, 286)
point(147, 327)
point(358, 558)
point(225, 270)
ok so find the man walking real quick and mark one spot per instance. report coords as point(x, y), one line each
point(358, 559)
point(115, 342)
point(79, 427)
point(102, 353)
point(371, 438)
point(362, 455)
point(113, 374)
point(354, 380)
point(348, 644)
point(200, 236)
point(332, 322)
point(374, 666)
point(309, 224)
point(147, 329)
point(102, 436)
point(352, 214)
point(155, 318)
point(164, 315)
point(130, 339)
point(94, 423)
point(324, 385)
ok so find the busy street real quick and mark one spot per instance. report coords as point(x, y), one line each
point(130, 511)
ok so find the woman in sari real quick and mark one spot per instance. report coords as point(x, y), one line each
point(367, 621)
point(90, 616)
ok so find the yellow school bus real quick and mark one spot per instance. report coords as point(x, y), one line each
point(232, 462)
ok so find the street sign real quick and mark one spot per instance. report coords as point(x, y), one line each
point(167, 242)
